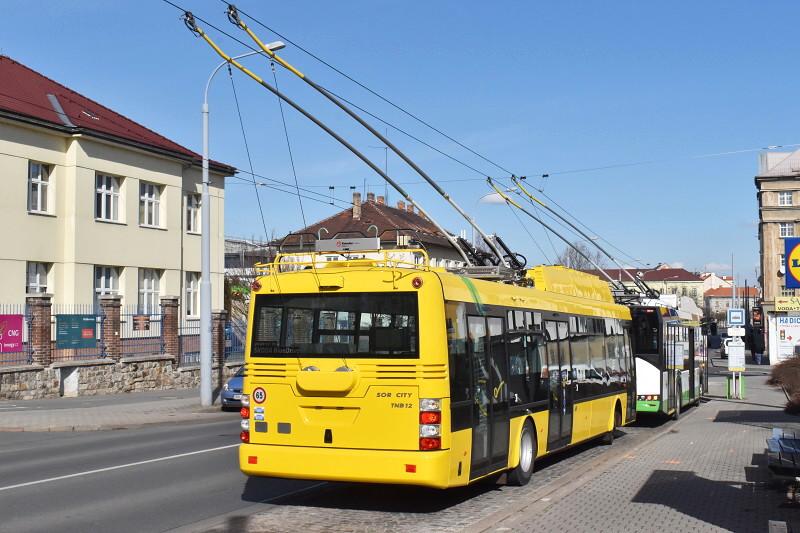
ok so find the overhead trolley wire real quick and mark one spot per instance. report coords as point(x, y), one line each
point(371, 91)
point(247, 151)
point(288, 144)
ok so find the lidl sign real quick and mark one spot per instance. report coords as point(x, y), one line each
point(792, 263)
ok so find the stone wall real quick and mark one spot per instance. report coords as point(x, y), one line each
point(113, 373)
point(90, 378)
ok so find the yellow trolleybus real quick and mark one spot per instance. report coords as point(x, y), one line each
point(380, 370)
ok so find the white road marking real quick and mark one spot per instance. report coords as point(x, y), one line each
point(109, 468)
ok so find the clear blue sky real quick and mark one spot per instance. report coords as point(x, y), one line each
point(538, 87)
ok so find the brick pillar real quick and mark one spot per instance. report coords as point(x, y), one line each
point(218, 319)
point(112, 342)
point(39, 307)
point(169, 325)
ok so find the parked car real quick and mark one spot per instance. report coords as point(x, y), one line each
point(232, 391)
point(723, 349)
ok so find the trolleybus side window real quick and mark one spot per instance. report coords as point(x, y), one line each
point(597, 355)
point(579, 342)
point(525, 358)
point(456, 323)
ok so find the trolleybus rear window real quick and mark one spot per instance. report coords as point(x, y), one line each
point(332, 325)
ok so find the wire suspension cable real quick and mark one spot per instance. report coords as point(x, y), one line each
point(533, 200)
point(371, 91)
point(557, 234)
point(524, 227)
point(289, 146)
point(190, 22)
point(235, 19)
point(247, 151)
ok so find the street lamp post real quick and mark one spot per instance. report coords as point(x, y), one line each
point(205, 247)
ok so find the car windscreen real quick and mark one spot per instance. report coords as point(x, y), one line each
point(335, 325)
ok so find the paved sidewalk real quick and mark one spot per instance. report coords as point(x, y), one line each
point(116, 411)
point(708, 474)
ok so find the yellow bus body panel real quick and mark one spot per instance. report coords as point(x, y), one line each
point(372, 412)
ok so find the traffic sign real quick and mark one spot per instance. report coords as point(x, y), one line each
point(736, 332)
point(735, 316)
point(736, 356)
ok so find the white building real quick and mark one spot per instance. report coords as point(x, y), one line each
point(94, 203)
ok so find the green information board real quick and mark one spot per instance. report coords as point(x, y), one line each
point(76, 331)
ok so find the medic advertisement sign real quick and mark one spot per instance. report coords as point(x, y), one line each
point(788, 337)
point(11, 333)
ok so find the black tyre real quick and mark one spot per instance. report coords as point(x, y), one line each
point(527, 456)
point(608, 438)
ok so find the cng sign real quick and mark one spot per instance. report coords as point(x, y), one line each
point(792, 250)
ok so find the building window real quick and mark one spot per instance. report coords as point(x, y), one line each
point(38, 187)
point(149, 279)
point(106, 201)
point(694, 292)
point(785, 198)
point(106, 281)
point(37, 278)
point(192, 300)
point(786, 229)
point(193, 213)
point(787, 292)
point(149, 204)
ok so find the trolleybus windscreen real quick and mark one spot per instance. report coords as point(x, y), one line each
point(332, 325)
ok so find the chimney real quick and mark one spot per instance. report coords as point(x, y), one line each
point(401, 205)
point(381, 200)
point(410, 208)
point(356, 206)
point(370, 196)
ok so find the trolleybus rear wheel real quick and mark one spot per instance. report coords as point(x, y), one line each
point(608, 438)
point(527, 456)
point(677, 414)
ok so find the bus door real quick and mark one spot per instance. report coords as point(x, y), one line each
point(490, 423)
point(559, 369)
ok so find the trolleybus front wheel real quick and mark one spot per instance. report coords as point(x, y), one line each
point(527, 456)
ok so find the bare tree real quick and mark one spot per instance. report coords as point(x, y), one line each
point(572, 258)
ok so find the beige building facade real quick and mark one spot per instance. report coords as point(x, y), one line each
point(86, 212)
point(778, 196)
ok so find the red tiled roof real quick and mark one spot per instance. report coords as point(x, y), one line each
point(725, 292)
point(28, 95)
point(670, 274)
point(385, 218)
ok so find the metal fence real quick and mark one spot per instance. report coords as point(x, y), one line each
point(15, 346)
point(235, 332)
point(140, 333)
point(189, 341)
point(76, 332)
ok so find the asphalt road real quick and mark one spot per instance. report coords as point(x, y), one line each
point(149, 479)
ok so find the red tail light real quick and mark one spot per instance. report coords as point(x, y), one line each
point(245, 412)
point(430, 443)
point(245, 436)
point(430, 417)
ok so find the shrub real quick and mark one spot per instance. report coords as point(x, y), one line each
point(786, 375)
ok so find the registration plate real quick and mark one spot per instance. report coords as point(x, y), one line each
point(237, 396)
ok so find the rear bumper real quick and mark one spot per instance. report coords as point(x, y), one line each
point(337, 464)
